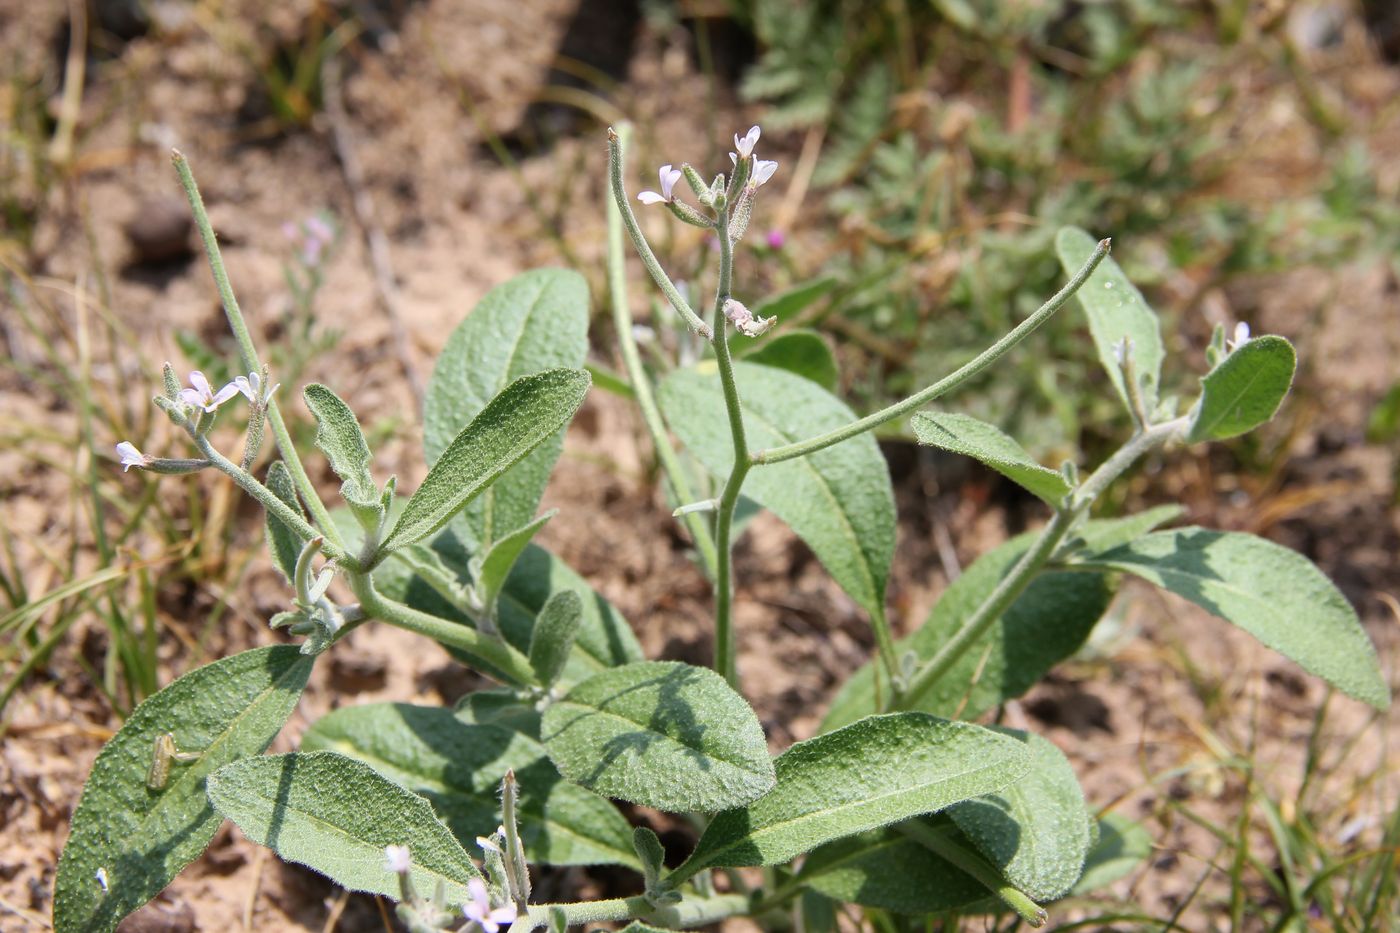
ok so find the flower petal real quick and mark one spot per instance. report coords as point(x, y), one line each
point(762, 171)
point(200, 383)
point(223, 395)
point(192, 397)
point(651, 197)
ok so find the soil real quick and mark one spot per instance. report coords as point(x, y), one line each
point(1146, 714)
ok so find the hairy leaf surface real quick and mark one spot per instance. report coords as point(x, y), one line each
point(458, 769)
point(535, 322)
point(141, 838)
point(336, 815)
point(663, 734)
point(872, 773)
point(988, 444)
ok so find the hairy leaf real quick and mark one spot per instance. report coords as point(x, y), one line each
point(963, 434)
point(336, 815)
point(458, 769)
point(1101, 534)
point(1035, 831)
point(872, 773)
point(529, 411)
point(1045, 625)
point(1244, 390)
point(663, 734)
point(140, 838)
point(535, 322)
point(838, 500)
point(553, 637)
point(1116, 309)
point(282, 543)
point(1277, 595)
point(339, 436)
point(501, 557)
point(801, 352)
point(889, 870)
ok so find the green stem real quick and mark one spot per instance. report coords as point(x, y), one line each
point(275, 506)
point(947, 384)
point(641, 385)
point(639, 241)
point(1031, 563)
point(945, 847)
point(248, 354)
point(726, 662)
point(691, 912)
point(494, 651)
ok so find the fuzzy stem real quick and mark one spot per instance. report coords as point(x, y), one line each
point(725, 655)
point(641, 385)
point(948, 383)
point(692, 912)
point(1031, 563)
point(639, 241)
point(248, 353)
point(495, 651)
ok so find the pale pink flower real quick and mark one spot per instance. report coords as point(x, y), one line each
point(203, 395)
point(252, 388)
point(745, 145)
point(478, 909)
point(396, 859)
point(131, 457)
point(669, 177)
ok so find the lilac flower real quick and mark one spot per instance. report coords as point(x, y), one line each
point(396, 859)
point(776, 239)
point(669, 177)
point(203, 395)
point(762, 171)
point(745, 145)
point(131, 457)
point(1241, 337)
point(478, 909)
point(252, 388)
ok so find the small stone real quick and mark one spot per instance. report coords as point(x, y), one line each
point(160, 230)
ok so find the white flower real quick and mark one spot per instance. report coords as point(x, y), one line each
point(669, 177)
point(478, 909)
point(1241, 337)
point(252, 388)
point(489, 843)
point(131, 457)
point(203, 395)
point(762, 171)
point(101, 877)
point(744, 321)
point(396, 859)
point(745, 145)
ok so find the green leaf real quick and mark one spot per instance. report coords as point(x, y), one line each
point(838, 500)
point(889, 870)
point(339, 436)
point(553, 637)
point(963, 434)
point(605, 639)
point(1101, 534)
point(499, 707)
point(1035, 831)
point(1046, 624)
point(528, 412)
point(872, 773)
point(662, 734)
point(1122, 846)
point(282, 543)
point(458, 769)
point(535, 322)
point(1244, 390)
point(141, 838)
point(1116, 309)
point(801, 352)
point(787, 303)
point(1275, 594)
point(336, 815)
point(501, 557)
